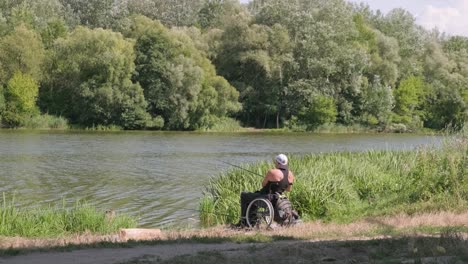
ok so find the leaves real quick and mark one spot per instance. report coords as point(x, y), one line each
point(21, 51)
point(21, 94)
point(185, 65)
point(179, 82)
point(89, 81)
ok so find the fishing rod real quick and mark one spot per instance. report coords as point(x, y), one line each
point(255, 173)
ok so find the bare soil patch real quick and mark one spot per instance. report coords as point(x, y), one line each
point(396, 239)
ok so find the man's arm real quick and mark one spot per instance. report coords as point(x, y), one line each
point(290, 180)
point(268, 177)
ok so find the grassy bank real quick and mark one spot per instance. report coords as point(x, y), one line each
point(59, 221)
point(440, 228)
point(347, 186)
point(40, 122)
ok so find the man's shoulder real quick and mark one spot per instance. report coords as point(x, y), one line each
point(275, 171)
point(274, 174)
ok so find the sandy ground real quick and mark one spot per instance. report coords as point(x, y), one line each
point(314, 241)
point(337, 252)
point(111, 256)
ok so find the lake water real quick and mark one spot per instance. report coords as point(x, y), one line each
point(156, 176)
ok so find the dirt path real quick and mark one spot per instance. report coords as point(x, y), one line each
point(118, 255)
point(337, 252)
point(314, 241)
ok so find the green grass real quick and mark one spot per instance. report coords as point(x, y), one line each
point(347, 186)
point(224, 125)
point(339, 129)
point(46, 121)
point(58, 221)
point(102, 128)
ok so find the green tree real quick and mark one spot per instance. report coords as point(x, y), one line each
point(377, 103)
point(325, 50)
point(281, 56)
point(3, 25)
point(21, 51)
point(408, 98)
point(445, 107)
point(257, 60)
point(21, 14)
point(91, 13)
point(322, 110)
point(2, 104)
point(179, 82)
point(154, 53)
point(446, 103)
point(384, 62)
point(170, 13)
point(217, 13)
point(90, 83)
point(401, 25)
point(21, 95)
point(209, 14)
point(43, 16)
point(53, 30)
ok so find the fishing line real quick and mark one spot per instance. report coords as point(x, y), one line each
point(212, 213)
point(255, 173)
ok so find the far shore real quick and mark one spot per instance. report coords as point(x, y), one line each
point(247, 130)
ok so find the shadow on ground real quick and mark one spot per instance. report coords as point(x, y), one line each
point(448, 248)
point(265, 247)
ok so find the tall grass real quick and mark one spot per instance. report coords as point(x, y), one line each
point(58, 221)
point(224, 125)
point(347, 186)
point(338, 129)
point(46, 121)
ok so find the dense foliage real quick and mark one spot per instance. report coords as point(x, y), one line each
point(192, 64)
point(89, 80)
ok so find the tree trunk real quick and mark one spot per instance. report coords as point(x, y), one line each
point(278, 110)
point(277, 119)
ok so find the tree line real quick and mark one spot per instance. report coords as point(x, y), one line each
point(191, 64)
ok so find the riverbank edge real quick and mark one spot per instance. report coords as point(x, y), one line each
point(345, 186)
point(441, 224)
point(246, 130)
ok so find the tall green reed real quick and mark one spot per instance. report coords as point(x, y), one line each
point(350, 185)
point(45, 121)
point(58, 221)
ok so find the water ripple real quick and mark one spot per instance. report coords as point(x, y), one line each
point(157, 177)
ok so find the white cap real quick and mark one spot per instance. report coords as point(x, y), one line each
point(281, 159)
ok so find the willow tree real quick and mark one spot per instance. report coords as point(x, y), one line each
point(21, 51)
point(326, 56)
point(409, 98)
point(21, 58)
point(20, 95)
point(446, 97)
point(2, 104)
point(170, 13)
point(89, 81)
point(180, 83)
point(401, 25)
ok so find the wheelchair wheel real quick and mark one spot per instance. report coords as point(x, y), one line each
point(260, 213)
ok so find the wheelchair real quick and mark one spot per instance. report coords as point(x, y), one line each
point(262, 211)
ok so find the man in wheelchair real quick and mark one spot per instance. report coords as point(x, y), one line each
point(270, 200)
